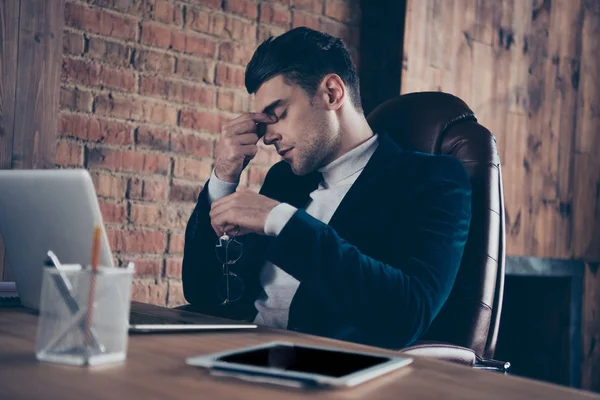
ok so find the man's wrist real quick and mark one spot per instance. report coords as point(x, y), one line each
point(278, 217)
point(218, 188)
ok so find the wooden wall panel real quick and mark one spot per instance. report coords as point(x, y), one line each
point(9, 34)
point(530, 71)
point(30, 54)
point(38, 83)
point(586, 208)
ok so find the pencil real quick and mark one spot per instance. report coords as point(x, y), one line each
point(92, 292)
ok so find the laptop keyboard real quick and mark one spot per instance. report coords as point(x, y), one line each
point(136, 318)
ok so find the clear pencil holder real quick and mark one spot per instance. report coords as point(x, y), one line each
point(70, 332)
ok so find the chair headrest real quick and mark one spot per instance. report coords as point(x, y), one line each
point(420, 120)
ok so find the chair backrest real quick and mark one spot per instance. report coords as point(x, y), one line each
point(439, 123)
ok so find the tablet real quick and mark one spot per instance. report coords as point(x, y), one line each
point(300, 365)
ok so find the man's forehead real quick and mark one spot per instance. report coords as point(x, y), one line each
point(274, 89)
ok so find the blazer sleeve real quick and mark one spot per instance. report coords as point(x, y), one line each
point(397, 299)
point(201, 268)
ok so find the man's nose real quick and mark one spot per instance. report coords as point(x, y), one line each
point(271, 136)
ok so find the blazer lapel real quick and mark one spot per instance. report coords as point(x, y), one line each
point(365, 189)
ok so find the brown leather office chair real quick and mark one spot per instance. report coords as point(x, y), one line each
point(466, 329)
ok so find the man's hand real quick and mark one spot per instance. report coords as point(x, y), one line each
point(246, 210)
point(237, 145)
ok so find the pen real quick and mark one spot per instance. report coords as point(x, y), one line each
point(92, 292)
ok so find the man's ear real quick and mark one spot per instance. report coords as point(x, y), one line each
point(334, 91)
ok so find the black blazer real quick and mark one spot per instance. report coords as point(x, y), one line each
point(377, 274)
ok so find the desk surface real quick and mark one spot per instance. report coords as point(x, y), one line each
point(155, 369)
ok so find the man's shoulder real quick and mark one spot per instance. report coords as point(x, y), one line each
point(427, 167)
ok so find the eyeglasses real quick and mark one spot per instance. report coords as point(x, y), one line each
point(230, 287)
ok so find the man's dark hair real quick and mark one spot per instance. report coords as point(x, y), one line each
point(303, 56)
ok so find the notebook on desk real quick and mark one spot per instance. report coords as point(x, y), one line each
point(57, 210)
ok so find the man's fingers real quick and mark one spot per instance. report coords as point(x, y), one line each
point(245, 138)
point(247, 121)
point(240, 129)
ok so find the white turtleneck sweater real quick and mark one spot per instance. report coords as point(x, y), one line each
point(279, 288)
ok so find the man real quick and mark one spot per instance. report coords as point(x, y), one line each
point(351, 237)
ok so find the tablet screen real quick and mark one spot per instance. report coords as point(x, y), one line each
point(297, 358)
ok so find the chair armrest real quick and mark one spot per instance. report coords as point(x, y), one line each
point(492, 365)
point(442, 351)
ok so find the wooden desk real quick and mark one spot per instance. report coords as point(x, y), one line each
point(155, 369)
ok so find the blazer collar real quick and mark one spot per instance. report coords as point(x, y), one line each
point(297, 189)
point(361, 193)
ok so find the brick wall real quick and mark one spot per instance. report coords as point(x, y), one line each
point(145, 86)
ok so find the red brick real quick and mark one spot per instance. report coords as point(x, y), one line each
point(197, 70)
point(266, 31)
point(233, 101)
point(159, 216)
point(129, 161)
point(167, 12)
point(173, 268)
point(69, 154)
point(109, 52)
point(178, 217)
point(342, 11)
point(75, 99)
point(91, 74)
point(245, 8)
point(147, 215)
point(130, 108)
point(154, 138)
point(94, 129)
point(192, 145)
point(216, 4)
point(225, 26)
point(177, 91)
point(304, 19)
point(185, 193)
point(96, 20)
point(157, 35)
point(148, 189)
point(283, 2)
point(175, 295)
point(158, 294)
point(113, 212)
point(350, 35)
point(73, 43)
point(140, 291)
point(228, 75)
point(195, 45)
point(230, 27)
point(149, 292)
point(153, 61)
point(108, 185)
point(200, 120)
point(176, 243)
point(313, 6)
point(256, 176)
point(137, 241)
point(199, 20)
point(166, 38)
point(235, 53)
point(276, 15)
point(193, 170)
point(139, 8)
point(149, 268)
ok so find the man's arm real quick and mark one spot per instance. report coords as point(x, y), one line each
point(201, 268)
point(397, 300)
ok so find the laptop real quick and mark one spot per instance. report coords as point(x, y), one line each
point(42, 210)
